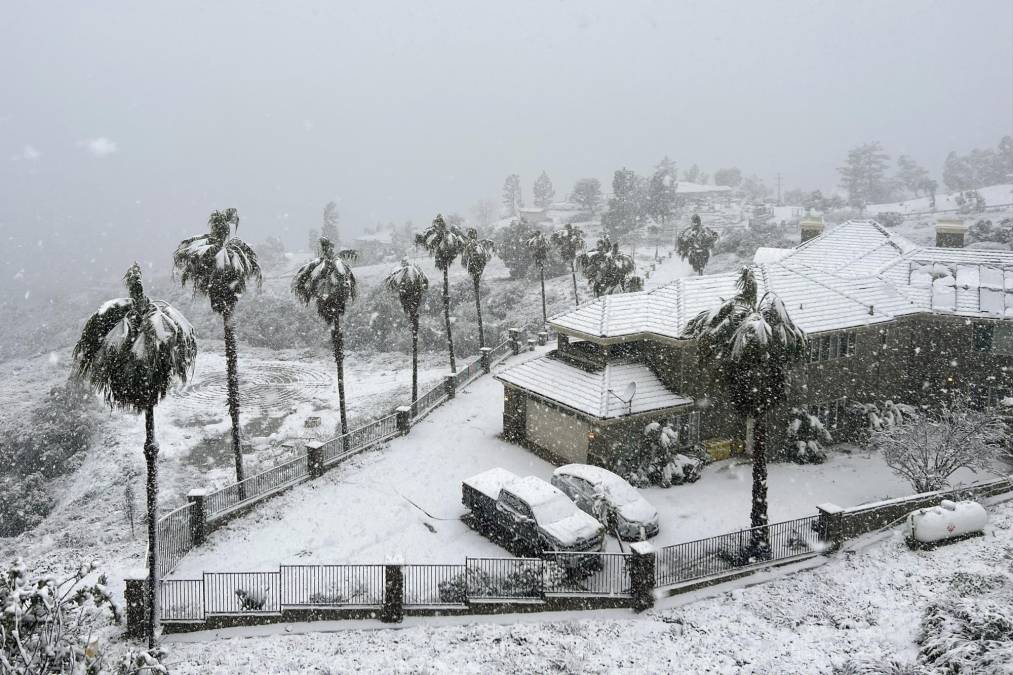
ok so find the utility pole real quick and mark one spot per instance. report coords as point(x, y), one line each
point(779, 189)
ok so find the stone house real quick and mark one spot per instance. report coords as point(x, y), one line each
point(885, 319)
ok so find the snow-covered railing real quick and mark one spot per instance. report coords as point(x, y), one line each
point(242, 592)
point(468, 373)
point(434, 585)
point(331, 585)
point(428, 401)
point(256, 487)
point(701, 558)
point(173, 537)
point(500, 352)
point(611, 575)
point(359, 439)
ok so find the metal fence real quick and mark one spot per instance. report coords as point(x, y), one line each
point(257, 486)
point(468, 373)
point(705, 557)
point(428, 401)
point(355, 440)
point(332, 585)
point(181, 600)
point(173, 537)
point(434, 585)
point(598, 574)
point(242, 592)
point(504, 578)
point(500, 352)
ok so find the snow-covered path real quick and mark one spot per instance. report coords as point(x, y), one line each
point(866, 603)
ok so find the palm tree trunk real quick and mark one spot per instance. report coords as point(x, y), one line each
point(478, 308)
point(573, 274)
point(338, 345)
point(759, 543)
point(446, 320)
point(541, 277)
point(232, 377)
point(415, 359)
point(151, 462)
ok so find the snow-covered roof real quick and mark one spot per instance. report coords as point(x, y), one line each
point(856, 274)
point(590, 391)
point(687, 188)
point(490, 482)
point(766, 254)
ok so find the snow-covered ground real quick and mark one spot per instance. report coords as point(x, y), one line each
point(994, 195)
point(866, 601)
point(405, 499)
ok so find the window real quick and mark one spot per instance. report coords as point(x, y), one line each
point(832, 346)
point(996, 338)
point(832, 414)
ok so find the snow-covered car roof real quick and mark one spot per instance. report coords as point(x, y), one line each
point(534, 490)
point(592, 474)
point(491, 482)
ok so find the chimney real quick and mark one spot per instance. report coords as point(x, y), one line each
point(950, 233)
point(811, 226)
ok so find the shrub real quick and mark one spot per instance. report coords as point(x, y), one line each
point(806, 435)
point(24, 503)
point(869, 665)
point(659, 459)
point(968, 635)
point(47, 626)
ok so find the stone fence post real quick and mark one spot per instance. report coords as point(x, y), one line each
point(198, 515)
point(393, 594)
point(315, 458)
point(136, 604)
point(831, 525)
point(450, 384)
point(404, 419)
point(531, 344)
point(543, 337)
point(486, 359)
point(515, 340)
point(643, 560)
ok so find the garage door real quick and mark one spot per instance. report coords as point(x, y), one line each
point(557, 432)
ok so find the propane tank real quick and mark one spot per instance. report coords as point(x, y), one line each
point(950, 520)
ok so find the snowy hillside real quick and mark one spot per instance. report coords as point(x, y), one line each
point(994, 196)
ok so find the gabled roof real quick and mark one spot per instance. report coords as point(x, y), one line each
point(588, 391)
point(856, 274)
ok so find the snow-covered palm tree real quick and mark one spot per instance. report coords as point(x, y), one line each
point(132, 350)
point(569, 243)
point(443, 242)
point(329, 282)
point(695, 244)
point(607, 268)
point(538, 244)
point(219, 266)
point(751, 343)
point(475, 255)
point(410, 284)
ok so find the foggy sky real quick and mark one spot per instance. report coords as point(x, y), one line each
point(123, 125)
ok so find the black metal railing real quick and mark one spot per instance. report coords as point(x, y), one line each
point(600, 574)
point(181, 600)
point(355, 440)
point(332, 585)
point(428, 401)
point(691, 560)
point(434, 585)
point(500, 352)
point(256, 487)
point(173, 537)
point(242, 592)
point(504, 578)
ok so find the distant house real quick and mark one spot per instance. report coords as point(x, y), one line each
point(885, 319)
point(376, 246)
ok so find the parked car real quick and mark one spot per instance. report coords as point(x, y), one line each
point(532, 516)
point(608, 498)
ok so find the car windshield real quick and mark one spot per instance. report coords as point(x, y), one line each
point(553, 510)
point(622, 493)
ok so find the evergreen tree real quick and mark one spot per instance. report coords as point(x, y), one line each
point(626, 206)
point(730, 177)
point(132, 350)
point(328, 281)
point(475, 255)
point(569, 242)
point(538, 244)
point(750, 343)
point(909, 174)
point(513, 200)
point(512, 247)
point(543, 191)
point(444, 242)
point(692, 175)
point(662, 197)
point(864, 175)
point(587, 194)
point(329, 228)
point(695, 244)
point(220, 266)
point(410, 284)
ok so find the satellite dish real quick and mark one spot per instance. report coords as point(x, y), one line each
point(629, 392)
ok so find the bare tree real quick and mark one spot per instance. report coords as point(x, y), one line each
point(933, 445)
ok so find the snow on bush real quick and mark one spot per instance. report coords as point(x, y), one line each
point(969, 635)
point(870, 665)
point(806, 435)
point(659, 459)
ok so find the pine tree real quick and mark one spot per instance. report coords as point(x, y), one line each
point(864, 175)
point(626, 206)
point(587, 194)
point(662, 195)
point(513, 200)
point(911, 175)
point(543, 191)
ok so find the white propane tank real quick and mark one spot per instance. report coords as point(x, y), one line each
point(946, 521)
